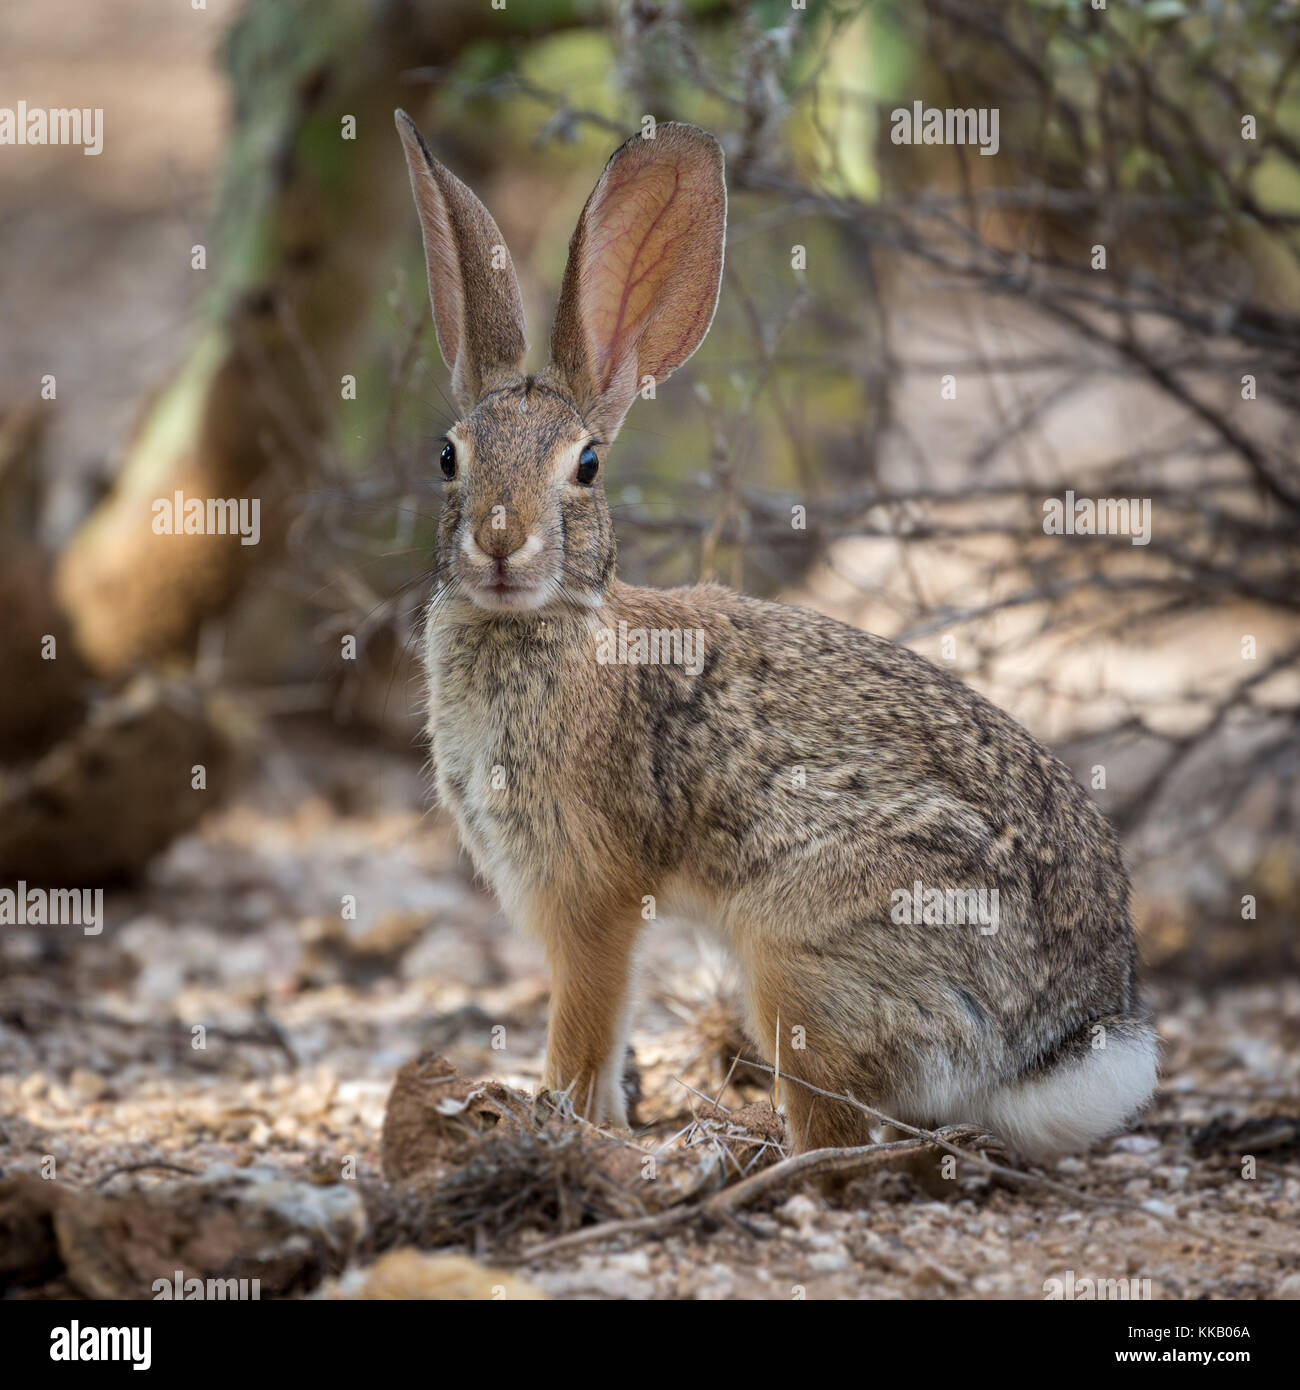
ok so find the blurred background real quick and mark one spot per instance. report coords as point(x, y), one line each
point(917, 347)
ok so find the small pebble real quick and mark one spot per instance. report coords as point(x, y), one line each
point(830, 1261)
point(1137, 1144)
point(797, 1211)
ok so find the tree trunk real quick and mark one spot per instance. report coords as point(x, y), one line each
point(305, 221)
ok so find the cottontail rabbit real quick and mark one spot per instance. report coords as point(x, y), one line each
point(827, 799)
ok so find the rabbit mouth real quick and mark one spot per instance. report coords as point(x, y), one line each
point(502, 594)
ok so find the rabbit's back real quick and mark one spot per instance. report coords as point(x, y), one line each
point(821, 767)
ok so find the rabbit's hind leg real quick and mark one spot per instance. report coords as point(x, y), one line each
point(817, 1122)
point(792, 1021)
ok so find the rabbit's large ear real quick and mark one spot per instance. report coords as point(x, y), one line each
point(477, 308)
point(645, 265)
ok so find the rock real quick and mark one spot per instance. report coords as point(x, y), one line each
point(1136, 1144)
point(831, 1261)
point(630, 1261)
point(259, 1223)
point(822, 1240)
point(797, 1211)
point(410, 1274)
point(87, 1085)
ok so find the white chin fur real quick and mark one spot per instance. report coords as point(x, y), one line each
point(1069, 1108)
point(511, 601)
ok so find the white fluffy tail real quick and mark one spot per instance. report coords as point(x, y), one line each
point(1080, 1100)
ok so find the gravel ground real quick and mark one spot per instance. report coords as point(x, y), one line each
point(309, 1012)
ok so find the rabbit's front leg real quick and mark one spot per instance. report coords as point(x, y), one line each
point(591, 970)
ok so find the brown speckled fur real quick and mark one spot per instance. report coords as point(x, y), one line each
point(784, 792)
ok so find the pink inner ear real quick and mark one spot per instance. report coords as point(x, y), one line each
point(650, 265)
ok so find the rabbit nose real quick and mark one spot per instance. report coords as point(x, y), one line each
point(500, 542)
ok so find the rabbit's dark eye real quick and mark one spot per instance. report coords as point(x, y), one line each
point(588, 464)
point(448, 460)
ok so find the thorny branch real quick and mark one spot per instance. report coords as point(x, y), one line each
point(983, 270)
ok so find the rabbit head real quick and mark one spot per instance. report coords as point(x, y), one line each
point(525, 523)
